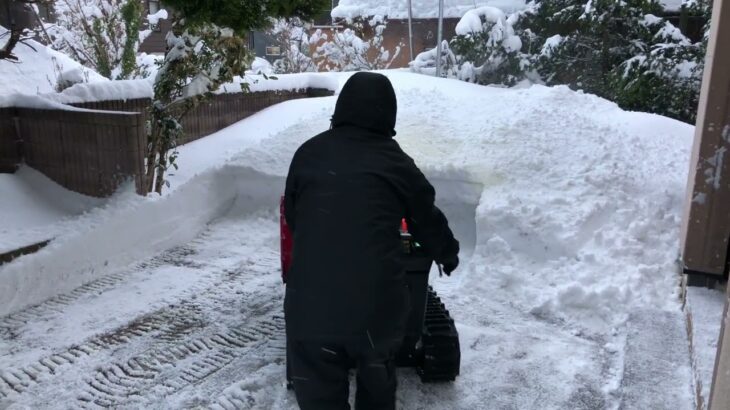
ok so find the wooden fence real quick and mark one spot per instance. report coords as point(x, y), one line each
point(10, 154)
point(90, 152)
point(93, 150)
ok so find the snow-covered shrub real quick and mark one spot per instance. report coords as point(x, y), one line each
point(101, 34)
point(206, 49)
point(357, 47)
point(488, 49)
point(199, 60)
point(666, 75)
point(615, 49)
point(586, 40)
point(69, 78)
point(425, 63)
point(296, 44)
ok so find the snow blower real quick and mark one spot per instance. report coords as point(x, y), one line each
point(431, 344)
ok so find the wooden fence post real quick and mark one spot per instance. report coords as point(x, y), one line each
point(715, 115)
point(706, 226)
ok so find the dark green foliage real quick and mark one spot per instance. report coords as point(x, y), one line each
point(597, 37)
point(243, 15)
point(132, 16)
point(617, 49)
point(206, 49)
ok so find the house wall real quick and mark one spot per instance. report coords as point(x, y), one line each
point(425, 33)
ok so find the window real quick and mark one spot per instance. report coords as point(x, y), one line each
point(154, 6)
point(273, 50)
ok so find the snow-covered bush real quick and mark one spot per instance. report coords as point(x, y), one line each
point(586, 40)
point(292, 36)
point(425, 63)
point(666, 75)
point(488, 48)
point(101, 34)
point(199, 60)
point(207, 48)
point(618, 50)
point(357, 47)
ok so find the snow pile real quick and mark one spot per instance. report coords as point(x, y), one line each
point(38, 70)
point(34, 209)
point(283, 82)
point(397, 9)
point(579, 216)
point(129, 228)
point(154, 19)
point(261, 66)
point(106, 91)
point(568, 210)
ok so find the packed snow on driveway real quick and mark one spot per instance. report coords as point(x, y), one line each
point(568, 210)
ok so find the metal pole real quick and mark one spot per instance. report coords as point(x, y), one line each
point(440, 38)
point(410, 28)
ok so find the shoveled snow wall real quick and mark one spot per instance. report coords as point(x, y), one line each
point(131, 228)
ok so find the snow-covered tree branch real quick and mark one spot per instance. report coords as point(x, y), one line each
point(101, 34)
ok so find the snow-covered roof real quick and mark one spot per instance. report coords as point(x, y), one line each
point(398, 9)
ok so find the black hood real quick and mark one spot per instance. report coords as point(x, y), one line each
point(367, 101)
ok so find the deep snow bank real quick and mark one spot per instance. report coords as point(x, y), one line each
point(571, 205)
point(33, 208)
point(131, 228)
point(579, 202)
point(38, 69)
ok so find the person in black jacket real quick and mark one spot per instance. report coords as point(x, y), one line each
point(346, 299)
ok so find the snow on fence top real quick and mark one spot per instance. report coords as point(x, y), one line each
point(107, 91)
point(398, 9)
point(140, 89)
point(40, 102)
point(284, 82)
point(39, 70)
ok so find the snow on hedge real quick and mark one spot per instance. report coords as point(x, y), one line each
point(107, 91)
point(398, 9)
point(39, 69)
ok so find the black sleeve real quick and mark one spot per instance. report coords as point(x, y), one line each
point(290, 194)
point(426, 221)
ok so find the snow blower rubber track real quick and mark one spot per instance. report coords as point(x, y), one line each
point(440, 343)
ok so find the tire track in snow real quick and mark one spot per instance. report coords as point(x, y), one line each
point(176, 366)
point(11, 325)
point(169, 337)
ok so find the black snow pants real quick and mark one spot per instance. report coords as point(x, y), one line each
point(320, 372)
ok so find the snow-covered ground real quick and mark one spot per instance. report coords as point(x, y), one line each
point(568, 296)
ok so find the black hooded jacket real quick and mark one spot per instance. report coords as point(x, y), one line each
point(346, 192)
